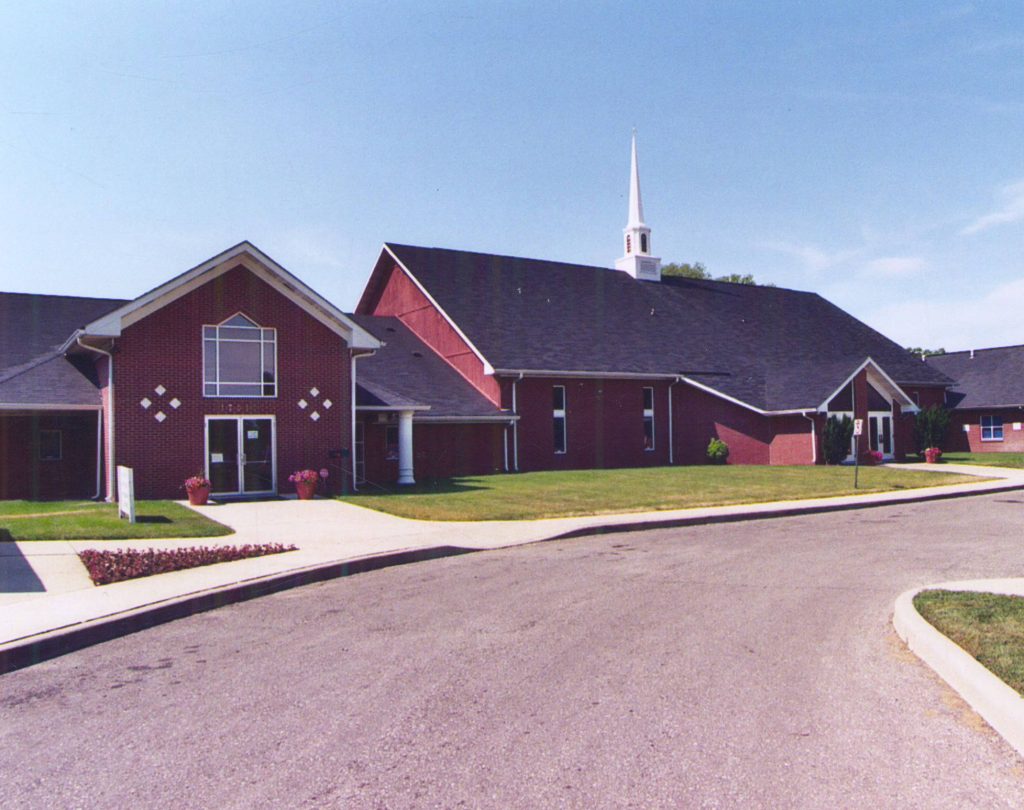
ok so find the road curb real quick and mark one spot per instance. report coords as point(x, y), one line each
point(792, 511)
point(1001, 706)
point(35, 649)
point(42, 647)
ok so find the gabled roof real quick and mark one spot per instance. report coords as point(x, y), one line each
point(405, 373)
point(769, 348)
point(33, 369)
point(248, 255)
point(992, 378)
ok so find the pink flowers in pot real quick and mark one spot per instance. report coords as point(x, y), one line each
point(196, 482)
point(305, 477)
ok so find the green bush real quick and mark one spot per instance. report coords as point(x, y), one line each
point(718, 451)
point(836, 437)
point(930, 427)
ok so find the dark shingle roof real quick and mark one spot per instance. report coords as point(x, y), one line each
point(407, 372)
point(772, 348)
point(993, 378)
point(32, 330)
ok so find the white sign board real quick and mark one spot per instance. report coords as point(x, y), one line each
point(858, 427)
point(126, 493)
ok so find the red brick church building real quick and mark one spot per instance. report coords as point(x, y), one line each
point(453, 363)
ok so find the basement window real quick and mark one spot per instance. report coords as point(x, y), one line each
point(648, 418)
point(991, 428)
point(558, 415)
point(50, 445)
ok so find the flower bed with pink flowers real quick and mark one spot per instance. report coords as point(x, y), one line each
point(105, 567)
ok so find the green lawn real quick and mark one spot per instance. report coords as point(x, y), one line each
point(989, 627)
point(86, 520)
point(589, 492)
point(987, 459)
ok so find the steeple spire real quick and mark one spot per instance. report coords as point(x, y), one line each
point(637, 261)
point(636, 203)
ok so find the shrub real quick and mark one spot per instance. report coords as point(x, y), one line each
point(718, 451)
point(836, 437)
point(930, 427)
point(105, 567)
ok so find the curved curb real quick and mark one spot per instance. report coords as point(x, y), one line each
point(60, 641)
point(1001, 706)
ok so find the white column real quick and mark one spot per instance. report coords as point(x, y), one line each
point(405, 448)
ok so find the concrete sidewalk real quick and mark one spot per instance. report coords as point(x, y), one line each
point(45, 593)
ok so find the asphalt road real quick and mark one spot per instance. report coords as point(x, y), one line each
point(742, 665)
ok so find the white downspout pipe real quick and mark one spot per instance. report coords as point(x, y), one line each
point(515, 425)
point(111, 476)
point(352, 405)
point(671, 440)
point(814, 437)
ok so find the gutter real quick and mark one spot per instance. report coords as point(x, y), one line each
point(111, 478)
point(814, 437)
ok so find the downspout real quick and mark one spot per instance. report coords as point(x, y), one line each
point(352, 405)
point(99, 454)
point(111, 477)
point(671, 441)
point(504, 441)
point(814, 437)
point(515, 425)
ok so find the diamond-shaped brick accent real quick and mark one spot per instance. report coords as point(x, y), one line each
point(327, 404)
point(175, 403)
point(145, 403)
point(159, 416)
point(160, 390)
point(303, 404)
point(314, 416)
point(314, 392)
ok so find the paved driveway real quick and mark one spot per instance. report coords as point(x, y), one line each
point(741, 665)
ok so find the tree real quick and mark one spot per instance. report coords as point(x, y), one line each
point(698, 270)
point(925, 352)
point(835, 438)
point(930, 427)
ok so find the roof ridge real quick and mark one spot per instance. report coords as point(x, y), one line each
point(16, 371)
point(968, 351)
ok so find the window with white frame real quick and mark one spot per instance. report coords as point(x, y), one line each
point(648, 418)
point(991, 428)
point(558, 414)
point(239, 359)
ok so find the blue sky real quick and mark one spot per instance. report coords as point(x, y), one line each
point(872, 152)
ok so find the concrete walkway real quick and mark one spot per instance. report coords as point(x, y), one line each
point(44, 591)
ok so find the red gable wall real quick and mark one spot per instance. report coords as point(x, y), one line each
point(165, 349)
point(401, 298)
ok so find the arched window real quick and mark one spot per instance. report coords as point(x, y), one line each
point(239, 359)
point(643, 243)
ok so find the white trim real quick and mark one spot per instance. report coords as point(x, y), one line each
point(46, 406)
point(499, 419)
point(648, 413)
point(391, 408)
point(488, 368)
point(611, 375)
point(671, 430)
point(265, 268)
point(240, 465)
point(907, 406)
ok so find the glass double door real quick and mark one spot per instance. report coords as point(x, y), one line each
point(240, 455)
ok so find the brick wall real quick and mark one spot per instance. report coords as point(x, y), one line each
point(24, 476)
point(959, 440)
point(165, 350)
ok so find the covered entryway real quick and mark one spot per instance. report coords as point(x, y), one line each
point(241, 455)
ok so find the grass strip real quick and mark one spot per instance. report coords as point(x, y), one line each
point(1013, 460)
point(84, 520)
point(527, 496)
point(988, 626)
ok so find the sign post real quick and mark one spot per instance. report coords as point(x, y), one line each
point(126, 493)
point(858, 431)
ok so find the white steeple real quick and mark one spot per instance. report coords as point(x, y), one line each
point(638, 261)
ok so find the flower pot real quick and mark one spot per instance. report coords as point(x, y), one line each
point(305, 489)
point(199, 496)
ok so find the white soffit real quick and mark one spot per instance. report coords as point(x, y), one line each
point(261, 265)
